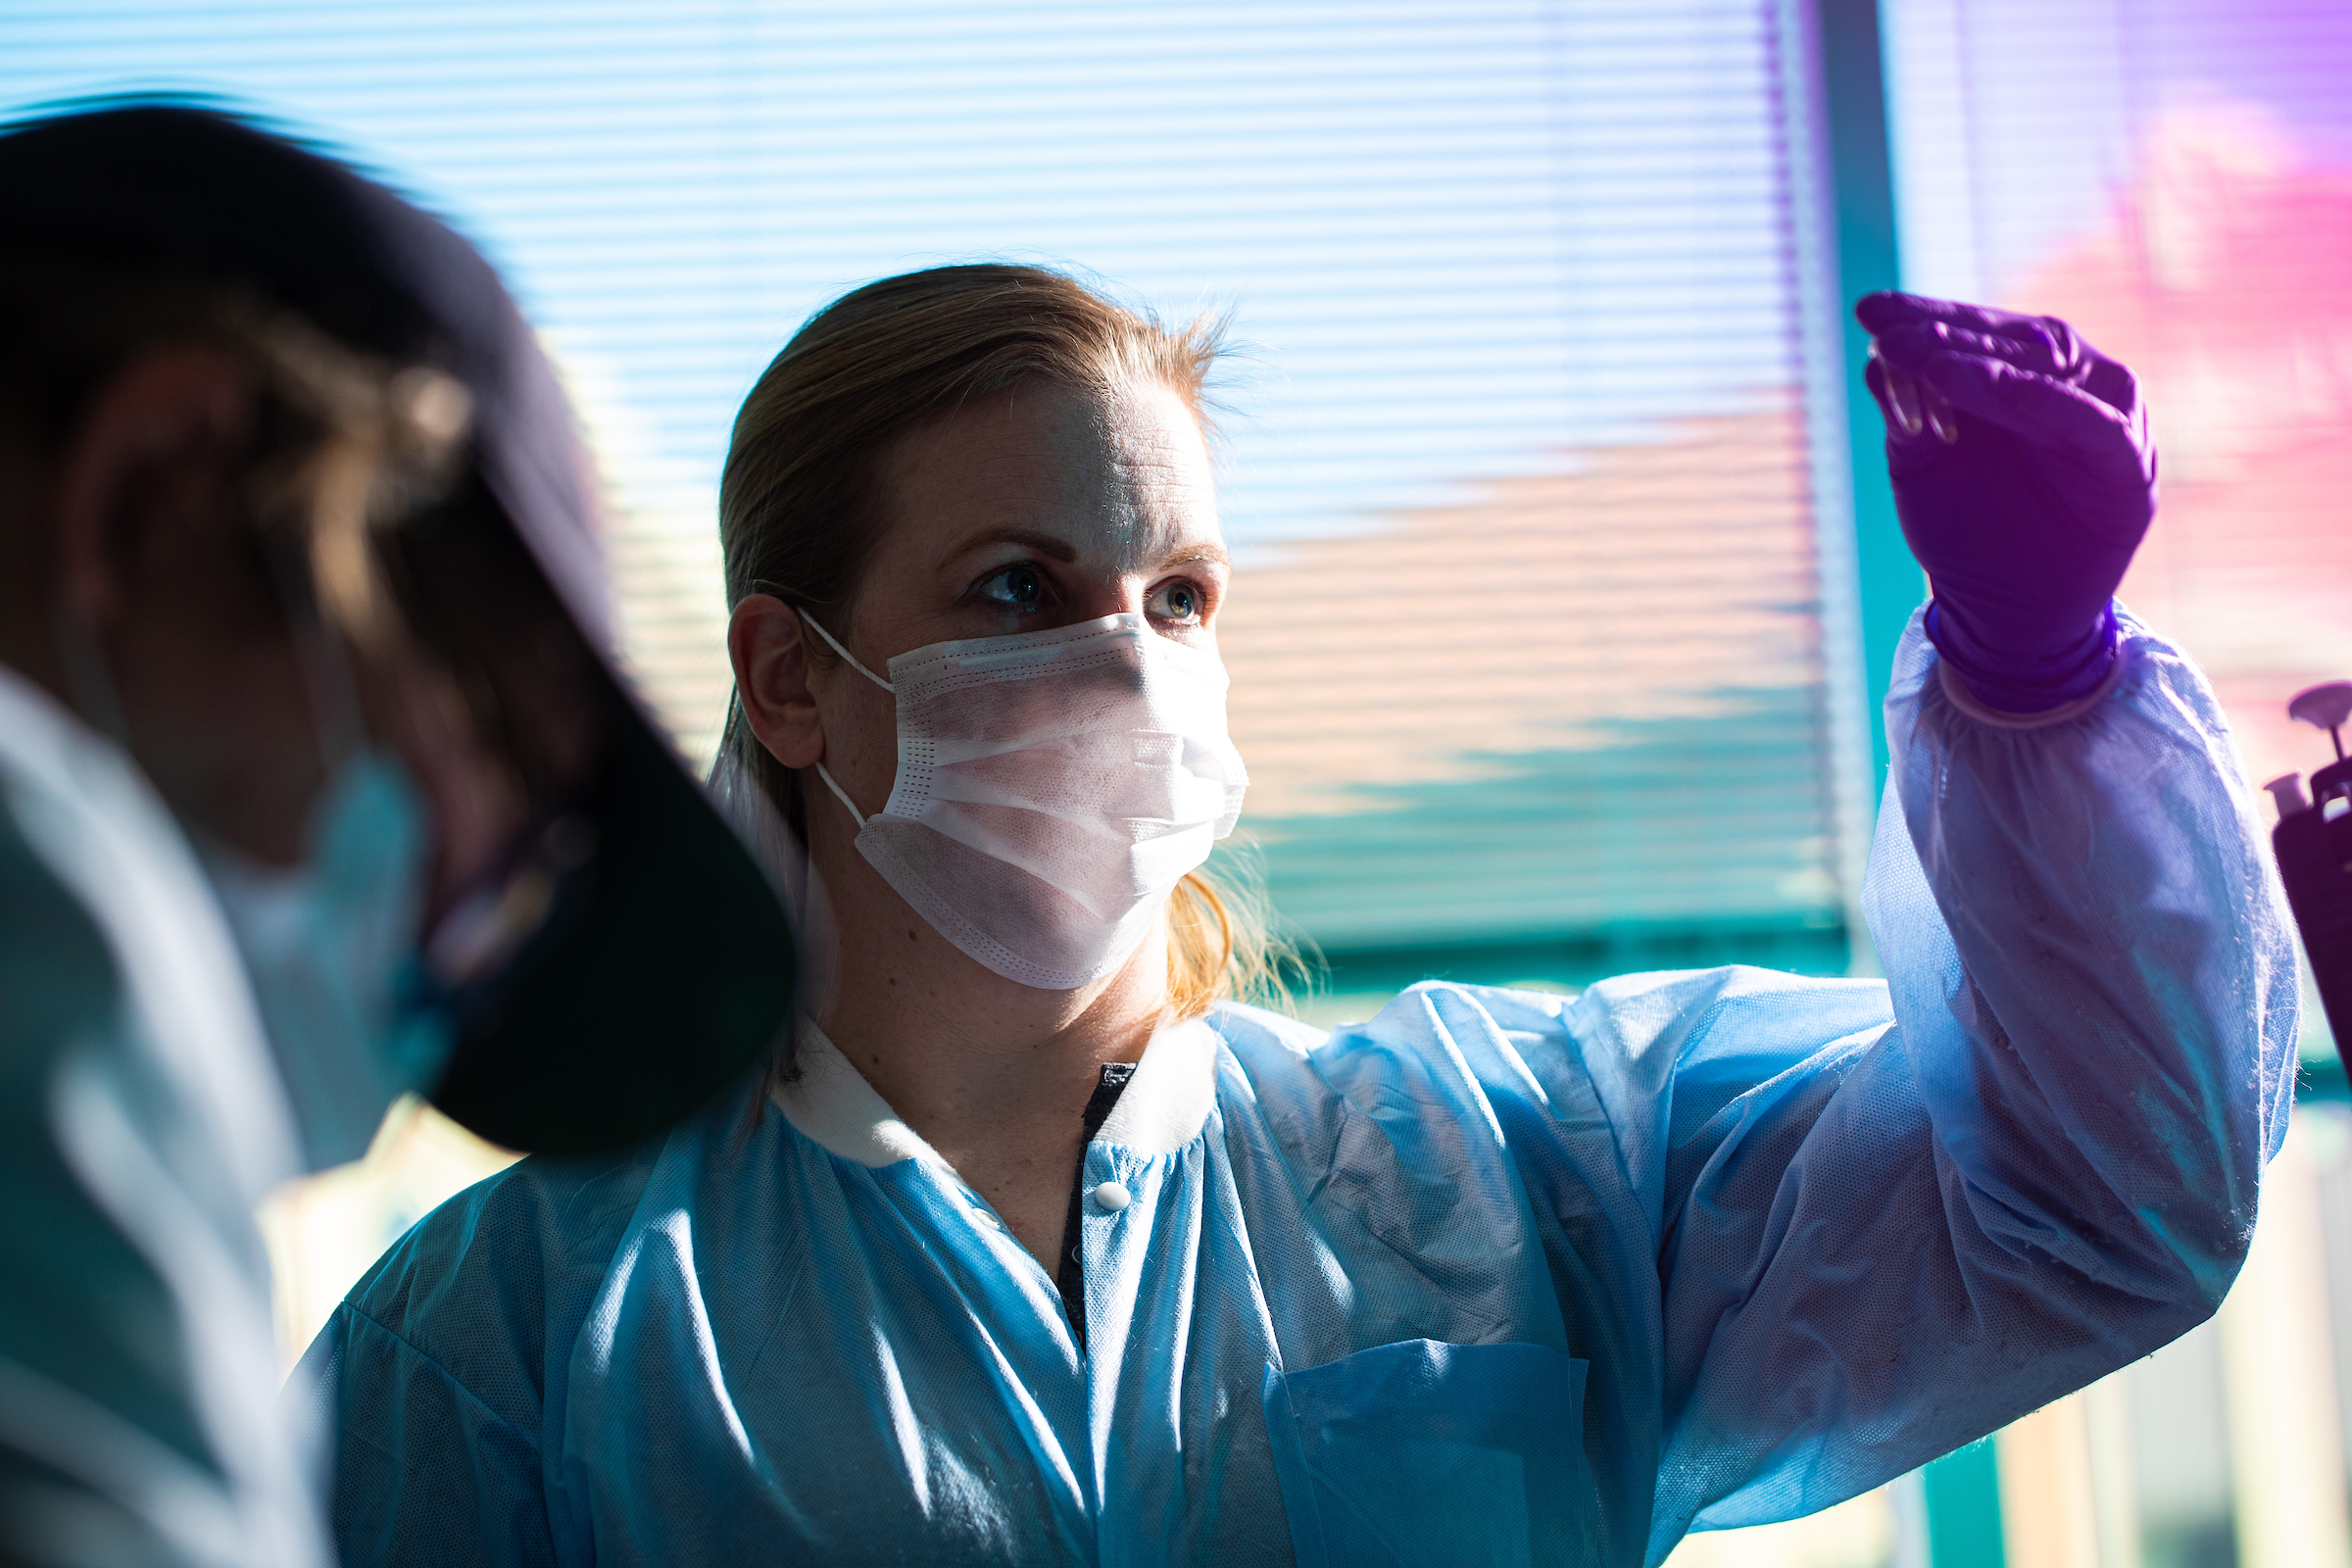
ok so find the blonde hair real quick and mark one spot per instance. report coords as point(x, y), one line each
point(798, 505)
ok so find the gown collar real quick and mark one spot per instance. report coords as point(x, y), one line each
point(829, 1101)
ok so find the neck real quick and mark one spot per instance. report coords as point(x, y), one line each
point(993, 1074)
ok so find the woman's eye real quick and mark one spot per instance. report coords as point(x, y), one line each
point(1017, 587)
point(1180, 602)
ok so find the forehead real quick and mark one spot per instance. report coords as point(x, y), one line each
point(1122, 475)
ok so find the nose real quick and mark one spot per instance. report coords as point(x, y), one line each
point(1104, 596)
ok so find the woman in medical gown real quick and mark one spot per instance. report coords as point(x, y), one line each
point(1032, 1250)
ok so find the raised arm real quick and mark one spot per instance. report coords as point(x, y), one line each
point(2048, 1164)
point(1877, 1246)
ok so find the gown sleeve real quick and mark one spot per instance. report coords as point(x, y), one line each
point(1880, 1237)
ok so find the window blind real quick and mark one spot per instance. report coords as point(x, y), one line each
point(1516, 449)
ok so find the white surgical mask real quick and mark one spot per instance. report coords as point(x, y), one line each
point(330, 947)
point(1053, 789)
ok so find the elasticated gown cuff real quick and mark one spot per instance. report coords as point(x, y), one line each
point(2023, 684)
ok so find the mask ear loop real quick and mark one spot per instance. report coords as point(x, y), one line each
point(822, 771)
point(846, 653)
point(841, 795)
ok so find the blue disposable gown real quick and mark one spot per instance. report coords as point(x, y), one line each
point(1496, 1277)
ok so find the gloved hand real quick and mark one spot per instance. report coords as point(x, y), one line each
point(2024, 478)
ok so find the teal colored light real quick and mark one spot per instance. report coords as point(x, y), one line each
point(1964, 1509)
point(1963, 1488)
point(1853, 87)
point(1465, 247)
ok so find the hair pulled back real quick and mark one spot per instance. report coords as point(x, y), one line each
point(799, 507)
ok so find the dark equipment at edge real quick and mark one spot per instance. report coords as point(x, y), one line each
point(2314, 845)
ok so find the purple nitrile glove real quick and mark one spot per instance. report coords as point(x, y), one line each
point(2025, 476)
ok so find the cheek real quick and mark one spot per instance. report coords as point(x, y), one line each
point(225, 730)
point(250, 692)
point(278, 717)
point(862, 738)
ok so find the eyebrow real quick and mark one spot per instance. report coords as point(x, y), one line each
point(1058, 549)
point(1211, 551)
point(1045, 544)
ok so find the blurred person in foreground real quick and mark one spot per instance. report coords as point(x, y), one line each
point(1042, 1248)
point(316, 786)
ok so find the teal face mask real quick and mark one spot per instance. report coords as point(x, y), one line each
point(331, 948)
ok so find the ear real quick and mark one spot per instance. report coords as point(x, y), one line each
point(771, 680)
point(150, 465)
